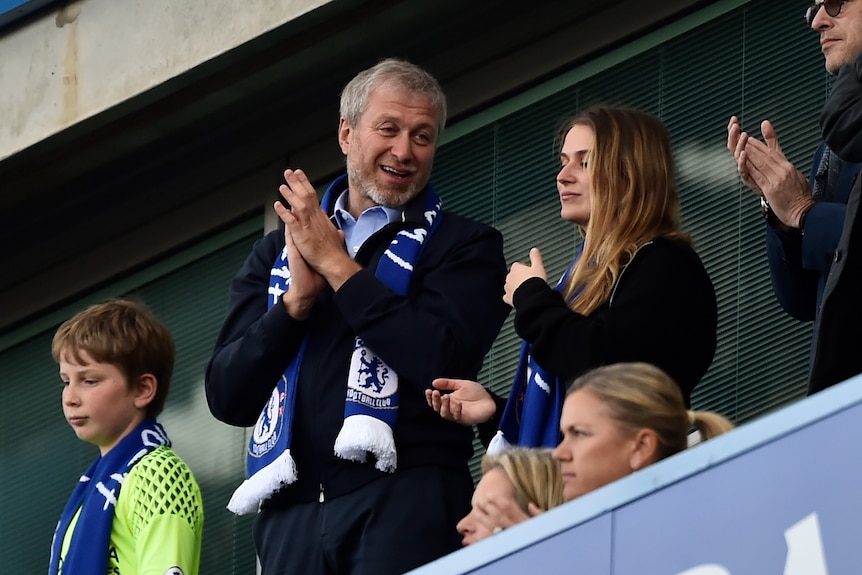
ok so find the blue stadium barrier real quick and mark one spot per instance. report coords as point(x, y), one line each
point(779, 495)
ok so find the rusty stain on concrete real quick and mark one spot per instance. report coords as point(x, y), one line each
point(67, 17)
point(68, 14)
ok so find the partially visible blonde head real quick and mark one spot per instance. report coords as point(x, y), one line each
point(634, 198)
point(534, 473)
point(642, 396)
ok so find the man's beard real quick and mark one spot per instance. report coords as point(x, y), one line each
point(389, 199)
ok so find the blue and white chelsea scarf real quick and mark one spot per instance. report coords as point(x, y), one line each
point(371, 405)
point(96, 495)
point(532, 414)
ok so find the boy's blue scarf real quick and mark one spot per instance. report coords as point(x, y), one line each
point(96, 495)
point(532, 414)
point(371, 405)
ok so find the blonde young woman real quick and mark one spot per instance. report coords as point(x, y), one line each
point(527, 480)
point(618, 419)
point(636, 292)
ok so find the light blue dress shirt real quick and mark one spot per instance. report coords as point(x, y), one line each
point(357, 231)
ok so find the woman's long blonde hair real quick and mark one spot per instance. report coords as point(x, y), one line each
point(633, 201)
point(534, 473)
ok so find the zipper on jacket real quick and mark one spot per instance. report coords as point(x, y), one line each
point(321, 499)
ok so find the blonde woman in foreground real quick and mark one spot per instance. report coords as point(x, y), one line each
point(616, 420)
point(620, 418)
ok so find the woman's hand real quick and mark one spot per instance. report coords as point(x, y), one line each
point(468, 403)
point(519, 273)
point(497, 514)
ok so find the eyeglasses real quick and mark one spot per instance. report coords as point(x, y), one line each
point(833, 8)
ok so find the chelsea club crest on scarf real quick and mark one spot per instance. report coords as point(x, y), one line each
point(269, 424)
point(370, 410)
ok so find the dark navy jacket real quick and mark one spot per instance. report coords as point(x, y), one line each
point(799, 265)
point(442, 328)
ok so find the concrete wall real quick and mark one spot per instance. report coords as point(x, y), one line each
point(83, 58)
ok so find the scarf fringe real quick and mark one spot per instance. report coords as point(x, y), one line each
point(248, 496)
point(363, 434)
point(498, 444)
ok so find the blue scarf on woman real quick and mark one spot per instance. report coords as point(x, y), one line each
point(532, 414)
point(96, 495)
point(371, 404)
